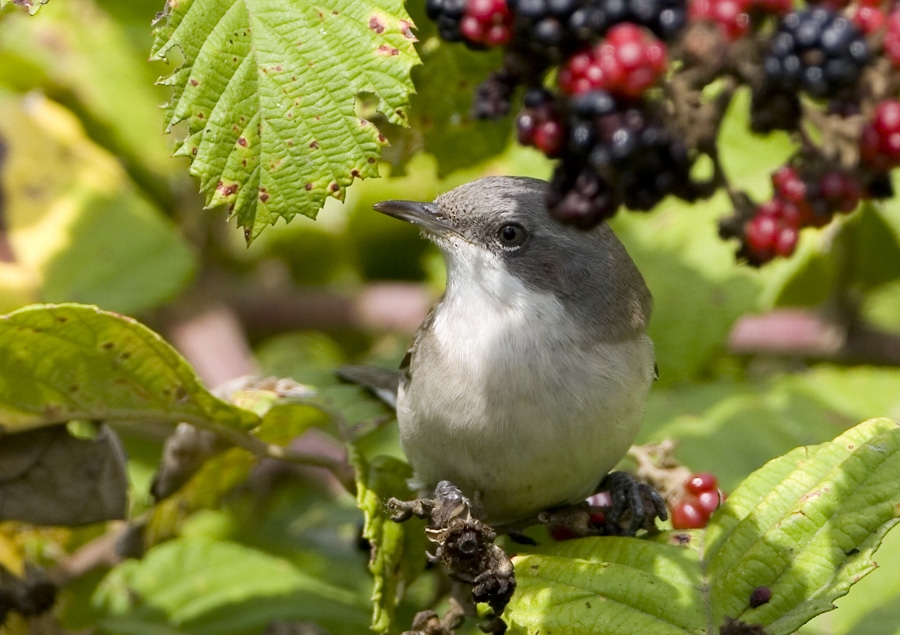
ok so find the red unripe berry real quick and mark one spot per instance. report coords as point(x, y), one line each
point(687, 515)
point(730, 15)
point(789, 185)
point(487, 22)
point(760, 234)
point(709, 501)
point(786, 241)
point(701, 482)
point(892, 38)
point(549, 137)
point(626, 63)
point(880, 139)
point(869, 19)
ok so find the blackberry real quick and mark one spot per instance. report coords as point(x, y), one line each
point(617, 153)
point(665, 18)
point(579, 196)
point(818, 51)
point(447, 14)
point(542, 26)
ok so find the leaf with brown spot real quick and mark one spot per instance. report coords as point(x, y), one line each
point(294, 71)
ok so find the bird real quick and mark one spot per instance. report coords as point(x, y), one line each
point(528, 380)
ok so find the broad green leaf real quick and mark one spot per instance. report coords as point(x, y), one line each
point(76, 228)
point(65, 362)
point(199, 586)
point(32, 5)
point(615, 586)
point(268, 91)
point(398, 549)
point(805, 526)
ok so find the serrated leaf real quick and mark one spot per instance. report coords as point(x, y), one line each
point(33, 6)
point(805, 526)
point(64, 362)
point(268, 90)
point(398, 549)
point(200, 586)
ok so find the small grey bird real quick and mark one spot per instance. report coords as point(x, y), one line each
point(528, 381)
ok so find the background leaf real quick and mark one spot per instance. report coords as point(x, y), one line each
point(268, 91)
point(76, 226)
point(199, 586)
point(65, 362)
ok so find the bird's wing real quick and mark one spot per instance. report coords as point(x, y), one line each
point(406, 363)
point(383, 382)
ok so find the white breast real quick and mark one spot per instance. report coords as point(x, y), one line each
point(516, 403)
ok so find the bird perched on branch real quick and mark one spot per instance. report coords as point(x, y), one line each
point(527, 382)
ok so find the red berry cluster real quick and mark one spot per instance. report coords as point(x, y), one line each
point(620, 142)
point(487, 22)
point(880, 142)
point(797, 203)
point(625, 64)
point(702, 497)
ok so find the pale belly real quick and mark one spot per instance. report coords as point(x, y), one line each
point(523, 439)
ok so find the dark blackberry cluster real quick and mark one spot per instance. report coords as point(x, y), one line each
point(626, 124)
point(560, 27)
point(819, 51)
point(447, 15)
point(617, 153)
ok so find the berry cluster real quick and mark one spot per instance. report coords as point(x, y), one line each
point(799, 201)
point(630, 110)
point(626, 63)
point(702, 497)
point(478, 23)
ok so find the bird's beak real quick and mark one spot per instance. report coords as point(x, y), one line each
point(428, 216)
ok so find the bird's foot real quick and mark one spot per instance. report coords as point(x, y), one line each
point(633, 505)
point(465, 545)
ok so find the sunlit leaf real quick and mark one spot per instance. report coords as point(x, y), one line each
point(804, 526)
point(268, 91)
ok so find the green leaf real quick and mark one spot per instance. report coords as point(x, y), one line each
point(113, 95)
point(65, 362)
point(615, 586)
point(805, 526)
point(77, 229)
point(33, 6)
point(268, 91)
point(200, 586)
point(398, 550)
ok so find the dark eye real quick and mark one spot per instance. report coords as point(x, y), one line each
point(512, 235)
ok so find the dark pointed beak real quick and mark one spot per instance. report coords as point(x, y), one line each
point(428, 216)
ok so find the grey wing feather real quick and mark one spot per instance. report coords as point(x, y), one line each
point(383, 382)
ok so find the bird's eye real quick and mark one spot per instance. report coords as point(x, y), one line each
point(511, 235)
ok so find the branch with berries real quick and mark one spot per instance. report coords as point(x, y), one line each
point(627, 95)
